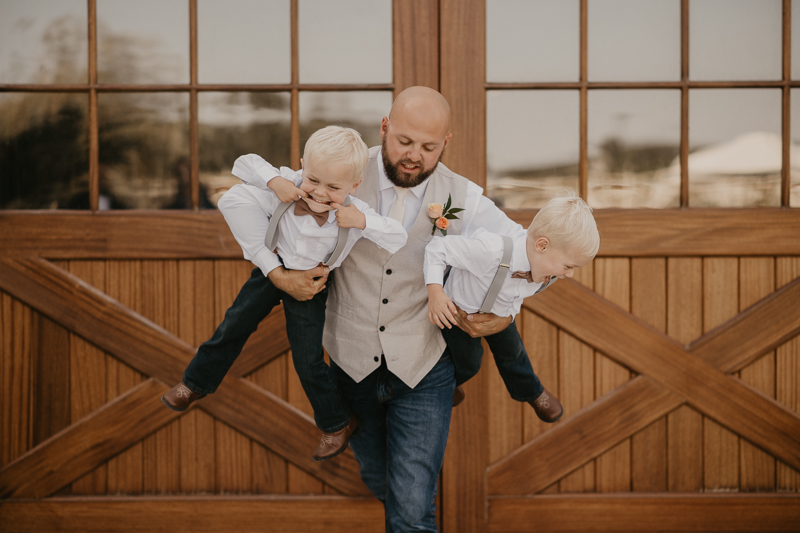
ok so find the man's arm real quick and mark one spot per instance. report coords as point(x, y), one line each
point(481, 325)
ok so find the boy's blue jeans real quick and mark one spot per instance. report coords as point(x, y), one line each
point(304, 324)
point(509, 354)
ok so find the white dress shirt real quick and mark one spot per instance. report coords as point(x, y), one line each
point(475, 261)
point(302, 243)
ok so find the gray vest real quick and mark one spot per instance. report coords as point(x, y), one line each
point(378, 302)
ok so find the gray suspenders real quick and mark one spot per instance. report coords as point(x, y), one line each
point(500, 277)
point(273, 232)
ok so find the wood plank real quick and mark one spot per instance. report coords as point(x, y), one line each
point(280, 514)
point(185, 235)
point(416, 44)
point(504, 425)
point(649, 446)
point(720, 303)
point(50, 369)
point(541, 342)
point(300, 482)
point(88, 377)
point(154, 351)
point(82, 446)
point(756, 281)
point(661, 512)
point(269, 469)
point(16, 373)
point(787, 371)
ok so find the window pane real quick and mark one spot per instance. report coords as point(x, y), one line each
point(634, 142)
point(360, 110)
point(43, 42)
point(44, 151)
point(532, 40)
point(232, 48)
point(146, 41)
point(234, 124)
point(735, 144)
point(735, 39)
point(144, 150)
point(532, 145)
point(634, 40)
point(347, 41)
point(795, 41)
point(794, 155)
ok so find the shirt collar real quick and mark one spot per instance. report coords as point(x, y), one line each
point(384, 183)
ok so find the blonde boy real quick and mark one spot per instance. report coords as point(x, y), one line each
point(562, 238)
point(334, 159)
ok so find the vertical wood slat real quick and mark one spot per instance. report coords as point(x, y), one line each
point(612, 281)
point(88, 377)
point(299, 482)
point(294, 146)
point(416, 44)
point(720, 302)
point(786, 97)
point(50, 378)
point(541, 342)
point(583, 161)
point(269, 469)
point(757, 280)
point(504, 425)
point(94, 165)
point(684, 153)
point(194, 137)
point(684, 425)
point(787, 371)
point(16, 379)
point(649, 446)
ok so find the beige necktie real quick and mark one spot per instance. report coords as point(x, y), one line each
point(398, 209)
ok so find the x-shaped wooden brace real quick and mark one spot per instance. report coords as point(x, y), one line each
point(671, 375)
point(155, 352)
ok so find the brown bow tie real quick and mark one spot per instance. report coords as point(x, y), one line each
point(301, 208)
point(523, 275)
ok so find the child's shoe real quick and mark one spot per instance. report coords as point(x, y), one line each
point(332, 444)
point(179, 397)
point(547, 407)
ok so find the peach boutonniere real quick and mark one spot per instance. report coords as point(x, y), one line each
point(441, 215)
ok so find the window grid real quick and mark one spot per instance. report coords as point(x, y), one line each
point(92, 89)
point(583, 85)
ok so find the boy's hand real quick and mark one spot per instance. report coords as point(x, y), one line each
point(285, 189)
point(301, 285)
point(349, 216)
point(481, 325)
point(441, 309)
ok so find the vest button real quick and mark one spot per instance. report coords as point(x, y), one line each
point(385, 301)
point(381, 328)
point(376, 359)
point(389, 272)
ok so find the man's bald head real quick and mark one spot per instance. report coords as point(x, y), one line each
point(423, 106)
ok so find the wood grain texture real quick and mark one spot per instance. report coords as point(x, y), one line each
point(654, 512)
point(416, 44)
point(279, 514)
point(787, 372)
point(16, 378)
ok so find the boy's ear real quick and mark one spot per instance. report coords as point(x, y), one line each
point(541, 244)
point(356, 184)
point(301, 163)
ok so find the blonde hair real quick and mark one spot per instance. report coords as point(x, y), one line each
point(567, 221)
point(334, 144)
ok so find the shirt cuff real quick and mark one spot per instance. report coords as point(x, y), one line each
point(373, 227)
point(267, 173)
point(434, 274)
point(266, 261)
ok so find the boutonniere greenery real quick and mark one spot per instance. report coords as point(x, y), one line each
point(441, 215)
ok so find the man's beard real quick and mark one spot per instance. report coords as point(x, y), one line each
point(397, 177)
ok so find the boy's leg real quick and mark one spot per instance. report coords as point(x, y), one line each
point(305, 322)
point(257, 297)
point(521, 381)
point(465, 351)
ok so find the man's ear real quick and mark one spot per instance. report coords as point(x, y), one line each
point(384, 126)
point(447, 140)
point(355, 185)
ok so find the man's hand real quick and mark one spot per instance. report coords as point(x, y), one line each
point(478, 325)
point(300, 284)
point(441, 309)
point(285, 189)
point(349, 216)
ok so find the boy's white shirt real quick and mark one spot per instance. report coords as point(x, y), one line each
point(302, 243)
point(475, 260)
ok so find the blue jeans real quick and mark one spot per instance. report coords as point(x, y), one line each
point(304, 324)
point(509, 354)
point(401, 441)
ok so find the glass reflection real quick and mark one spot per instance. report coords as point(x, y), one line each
point(794, 154)
point(532, 145)
point(735, 147)
point(146, 41)
point(231, 47)
point(795, 41)
point(233, 124)
point(631, 40)
point(144, 150)
point(360, 110)
point(532, 40)
point(634, 142)
point(738, 40)
point(347, 41)
point(44, 151)
point(43, 42)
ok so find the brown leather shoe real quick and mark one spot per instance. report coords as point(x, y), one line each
point(332, 444)
point(179, 397)
point(547, 407)
point(458, 396)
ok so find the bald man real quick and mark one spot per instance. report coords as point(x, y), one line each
point(392, 365)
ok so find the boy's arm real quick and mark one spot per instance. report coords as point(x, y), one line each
point(254, 170)
point(386, 232)
point(476, 255)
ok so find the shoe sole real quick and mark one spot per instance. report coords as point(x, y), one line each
point(556, 419)
point(164, 400)
point(340, 452)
